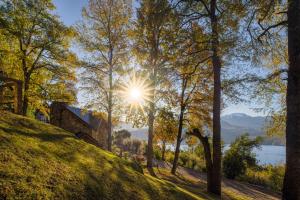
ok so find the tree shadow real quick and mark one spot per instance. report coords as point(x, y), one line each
point(40, 135)
point(151, 171)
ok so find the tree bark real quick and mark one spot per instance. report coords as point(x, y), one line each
point(25, 97)
point(180, 125)
point(216, 168)
point(178, 142)
point(291, 187)
point(207, 154)
point(110, 92)
point(163, 150)
point(109, 137)
point(26, 78)
point(150, 137)
point(151, 117)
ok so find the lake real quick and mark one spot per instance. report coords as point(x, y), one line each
point(267, 154)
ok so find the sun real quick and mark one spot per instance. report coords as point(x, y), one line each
point(136, 92)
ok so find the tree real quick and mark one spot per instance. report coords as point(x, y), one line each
point(192, 142)
point(41, 46)
point(291, 189)
point(220, 19)
point(240, 156)
point(134, 146)
point(269, 49)
point(151, 46)
point(190, 73)
point(119, 140)
point(271, 18)
point(165, 128)
point(103, 34)
point(204, 139)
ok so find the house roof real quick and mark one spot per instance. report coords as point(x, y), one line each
point(86, 116)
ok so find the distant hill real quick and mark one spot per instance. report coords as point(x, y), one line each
point(141, 134)
point(236, 124)
point(244, 120)
point(233, 125)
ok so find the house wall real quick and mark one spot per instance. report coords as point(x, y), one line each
point(100, 132)
point(16, 86)
point(100, 136)
point(62, 117)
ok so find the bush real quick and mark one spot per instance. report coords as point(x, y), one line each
point(267, 176)
point(169, 156)
point(133, 146)
point(183, 159)
point(276, 177)
point(239, 157)
point(157, 153)
point(233, 165)
point(192, 161)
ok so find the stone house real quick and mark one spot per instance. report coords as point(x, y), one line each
point(84, 125)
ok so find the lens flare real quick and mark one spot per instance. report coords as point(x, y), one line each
point(136, 92)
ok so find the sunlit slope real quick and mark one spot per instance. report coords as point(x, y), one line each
point(41, 161)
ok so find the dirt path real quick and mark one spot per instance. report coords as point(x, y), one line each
point(240, 188)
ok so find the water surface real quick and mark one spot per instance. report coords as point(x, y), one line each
point(266, 154)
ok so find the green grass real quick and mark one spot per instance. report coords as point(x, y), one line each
point(41, 161)
point(198, 188)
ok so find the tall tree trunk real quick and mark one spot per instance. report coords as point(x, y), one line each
point(150, 137)
point(217, 155)
point(26, 79)
point(291, 188)
point(178, 142)
point(207, 154)
point(151, 118)
point(163, 151)
point(25, 97)
point(180, 125)
point(109, 138)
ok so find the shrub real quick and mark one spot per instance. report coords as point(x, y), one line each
point(192, 161)
point(233, 165)
point(183, 158)
point(133, 146)
point(169, 156)
point(276, 177)
point(157, 153)
point(240, 156)
point(267, 176)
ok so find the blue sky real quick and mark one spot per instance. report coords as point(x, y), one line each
point(69, 10)
point(70, 13)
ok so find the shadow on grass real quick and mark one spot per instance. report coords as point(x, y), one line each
point(78, 168)
point(151, 171)
point(40, 135)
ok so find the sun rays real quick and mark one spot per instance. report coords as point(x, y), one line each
point(136, 92)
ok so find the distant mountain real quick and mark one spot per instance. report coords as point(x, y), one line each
point(141, 134)
point(244, 120)
point(236, 124)
point(233, 125)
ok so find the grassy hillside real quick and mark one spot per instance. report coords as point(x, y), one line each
point(40, 161)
